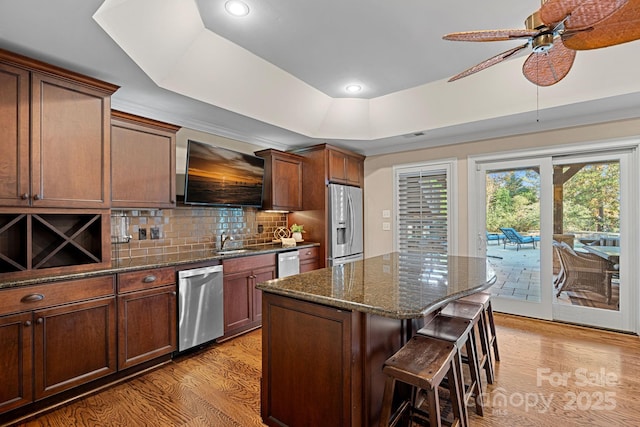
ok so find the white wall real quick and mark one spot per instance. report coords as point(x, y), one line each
point(378, 172)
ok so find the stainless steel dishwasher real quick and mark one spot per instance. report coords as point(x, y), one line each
point(200, 306)
point(288, 263)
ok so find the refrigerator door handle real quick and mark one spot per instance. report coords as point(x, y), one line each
point(352, 220)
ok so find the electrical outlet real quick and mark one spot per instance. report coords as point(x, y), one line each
point(142, 234)
point(155, 233)
point(260, 228)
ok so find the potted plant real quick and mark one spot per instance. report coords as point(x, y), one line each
point(296, 232)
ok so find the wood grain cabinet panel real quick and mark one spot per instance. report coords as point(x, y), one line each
point(16, 360)
point(309, 259)
point(283, 180)
point(147, 315)
point(54, 128)
point(14, 136)
point(55, 336)
point(147, 325)
point(70, 144)
point(345, 168)
point(242, 301)
point(73, 344)
point(143, 162)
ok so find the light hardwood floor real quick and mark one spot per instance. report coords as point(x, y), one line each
point(550, 375)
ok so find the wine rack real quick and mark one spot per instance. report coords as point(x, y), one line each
point(53, 240)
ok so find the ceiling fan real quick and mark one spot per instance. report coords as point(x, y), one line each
point(556, 31)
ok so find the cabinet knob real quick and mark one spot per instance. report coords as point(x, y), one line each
point(39, 320)
point(27, 323)
point(25, 196)
point(36, 197)
point(32, 298)
point(149, 279)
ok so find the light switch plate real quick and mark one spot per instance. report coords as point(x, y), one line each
point(386, 226)
point(386, 213)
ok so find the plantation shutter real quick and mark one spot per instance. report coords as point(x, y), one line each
point(422, 211)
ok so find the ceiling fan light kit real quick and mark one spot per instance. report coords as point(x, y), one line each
point(556, 31)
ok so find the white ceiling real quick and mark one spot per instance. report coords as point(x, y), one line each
point(276, 77)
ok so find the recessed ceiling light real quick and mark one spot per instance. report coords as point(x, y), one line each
point(353, 88)
point(236, 8)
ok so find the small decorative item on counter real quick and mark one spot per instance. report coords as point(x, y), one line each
point(281, 233)
point(296, 232)
point(288, 242)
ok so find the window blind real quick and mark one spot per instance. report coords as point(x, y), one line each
point(422, 213)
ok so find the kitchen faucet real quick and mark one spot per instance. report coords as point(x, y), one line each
point(223, 240)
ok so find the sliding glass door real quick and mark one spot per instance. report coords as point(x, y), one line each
point(557, 230)
point(513, 214)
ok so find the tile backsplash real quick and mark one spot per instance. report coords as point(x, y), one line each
point(186, 229)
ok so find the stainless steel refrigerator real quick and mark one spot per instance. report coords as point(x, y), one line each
point(345, 224)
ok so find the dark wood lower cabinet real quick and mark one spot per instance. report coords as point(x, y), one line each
point(16, 360)
point(55, 337)
point(73, 344)
point(242, 301)
point(147, 325)
point(322, 366)
point(147, 315)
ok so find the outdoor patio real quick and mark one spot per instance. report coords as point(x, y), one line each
point(518, 277)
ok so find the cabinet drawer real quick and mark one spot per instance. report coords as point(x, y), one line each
point(146, 279)
point(248, 263)
point(33, 297)
point(308, 253)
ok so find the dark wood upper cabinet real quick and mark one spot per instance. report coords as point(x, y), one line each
point(283, 180)
point(143, 162)
point(54, 128)
point(345, 168)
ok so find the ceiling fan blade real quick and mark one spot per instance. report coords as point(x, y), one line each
point(546, 69)
point(620, 27)
point(490, 35)
point(580, 13)
point(489, 62)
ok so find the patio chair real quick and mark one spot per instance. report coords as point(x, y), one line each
point(512, 236)
point(584, 271)
point(492, 237)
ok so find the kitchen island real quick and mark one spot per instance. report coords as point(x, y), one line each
point(327, 333)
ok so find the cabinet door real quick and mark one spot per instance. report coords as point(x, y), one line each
point(73, 344)
point(143, 170)
point(70, 144)
point(259, 276)
point(14, 136)
point(353, 171)
point(16, 361)
point(337, 172)
point(147, 325)
point(238, 312)
point(287, 184)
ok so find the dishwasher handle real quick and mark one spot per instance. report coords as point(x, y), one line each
point(183, 274)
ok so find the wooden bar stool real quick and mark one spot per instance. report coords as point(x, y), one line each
point(484, 298)
point(422, 363)
point(475, 313)
point(460, 332)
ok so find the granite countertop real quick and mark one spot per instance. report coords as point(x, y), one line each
point(159, 261)
point(395, 285)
